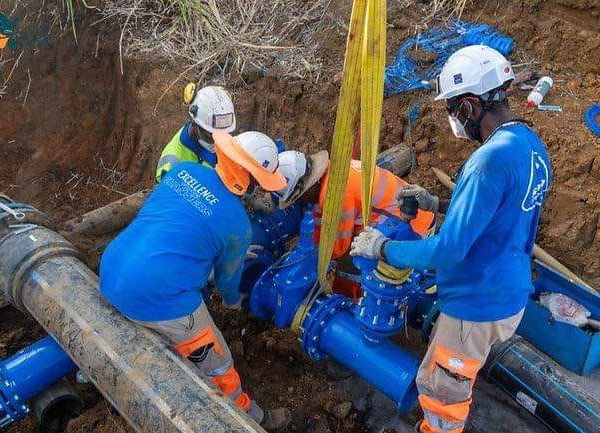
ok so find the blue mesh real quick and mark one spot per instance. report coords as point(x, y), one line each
point(407, 74)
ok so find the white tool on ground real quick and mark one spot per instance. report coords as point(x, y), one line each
point(568, 310)
point(556, 108)
point(541, 89)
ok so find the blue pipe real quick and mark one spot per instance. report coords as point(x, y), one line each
point(282, 288)
point(27, 373)
point(384, 365)
point(331, 330)
point(590, 119)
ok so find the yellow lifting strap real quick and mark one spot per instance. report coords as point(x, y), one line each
point(365, 50)
point(371, 97)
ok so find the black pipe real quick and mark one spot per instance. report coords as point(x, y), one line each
point(54, 407)
point(543, 388)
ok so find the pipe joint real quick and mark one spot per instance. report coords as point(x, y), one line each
point(25, 248)
point(316, 320)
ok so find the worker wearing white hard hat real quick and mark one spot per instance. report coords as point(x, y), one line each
point(155, 270)
point(482, 253)
point(210, 110)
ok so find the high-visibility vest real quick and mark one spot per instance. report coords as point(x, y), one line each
point(177, 151)
point(385, 188)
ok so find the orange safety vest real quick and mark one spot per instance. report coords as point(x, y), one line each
point(385, 188)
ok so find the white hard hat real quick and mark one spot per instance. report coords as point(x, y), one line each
point(292, 164)
point(260, 147)
point(296, 166)
point(475, 69)
point(212, 109)
point(253, 151)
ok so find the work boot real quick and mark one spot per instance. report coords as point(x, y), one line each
point(276, 420)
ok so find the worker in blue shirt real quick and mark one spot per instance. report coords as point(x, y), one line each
point(482, 254)
point(154, 271)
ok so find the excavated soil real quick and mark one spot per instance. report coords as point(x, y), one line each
point(76, 133)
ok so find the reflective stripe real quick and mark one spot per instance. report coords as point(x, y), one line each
point(348, 215)
point(382, 186)
point(236, 393)
point(345, 234)
point(434, 423)
point(168, 159)
point(220, 371)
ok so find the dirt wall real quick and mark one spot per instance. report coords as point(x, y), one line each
point(80, 134)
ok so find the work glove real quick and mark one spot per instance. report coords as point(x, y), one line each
point(426, 200)
point(238, 305)
point(368, 244)
point(253, 251)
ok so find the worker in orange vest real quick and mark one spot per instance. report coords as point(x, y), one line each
point(307, 181)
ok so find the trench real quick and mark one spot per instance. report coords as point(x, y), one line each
point(76, 134)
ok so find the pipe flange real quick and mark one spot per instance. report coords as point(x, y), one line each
point(32, 260)
point(12, 409)
point(324, 308)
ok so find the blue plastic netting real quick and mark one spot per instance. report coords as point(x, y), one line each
point(407, 74)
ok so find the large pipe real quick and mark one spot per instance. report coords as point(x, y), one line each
point(107, 219)
point(384, 365)
point(152, 387)
point(543, 388)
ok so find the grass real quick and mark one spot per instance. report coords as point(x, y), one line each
point(214, 38)
point(70, 4)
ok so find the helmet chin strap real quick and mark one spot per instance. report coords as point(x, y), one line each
point(486, 101)
point(474, 128)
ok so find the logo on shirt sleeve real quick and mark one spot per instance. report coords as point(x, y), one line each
point(539, 179)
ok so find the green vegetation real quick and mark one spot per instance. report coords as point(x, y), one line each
point(71, 13)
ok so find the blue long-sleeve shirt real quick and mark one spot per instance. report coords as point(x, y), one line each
point(482, 254)
point(156, 268)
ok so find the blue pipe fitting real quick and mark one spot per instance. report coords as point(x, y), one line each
point(275, 230)
point(331, 330)
point(282, 288)
point(315, 321)
point(382, 306)
point(27, 373)
point(272, 232)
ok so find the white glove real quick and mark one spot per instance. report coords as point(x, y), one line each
point(238, 305)
point(368, 244)
point(253, 251)
point(427, 201)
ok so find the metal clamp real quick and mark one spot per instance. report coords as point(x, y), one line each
point(18, 215)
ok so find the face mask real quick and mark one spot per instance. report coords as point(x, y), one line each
point(458, 129)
